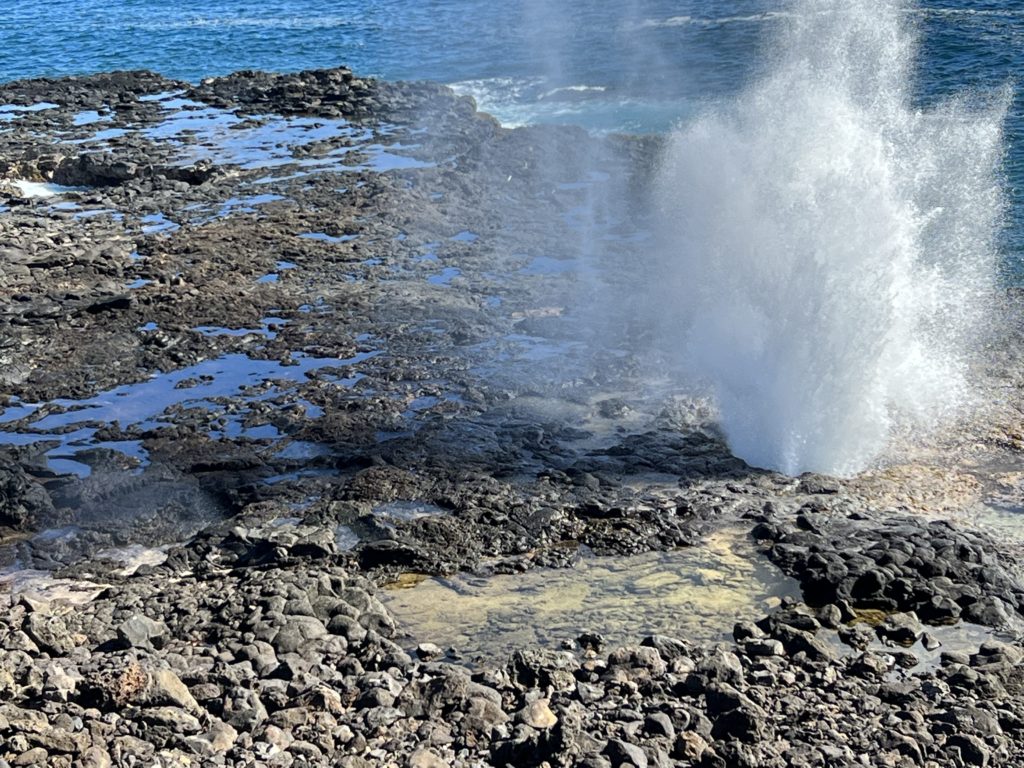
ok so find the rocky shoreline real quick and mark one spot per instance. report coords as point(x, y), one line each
point(274, 344)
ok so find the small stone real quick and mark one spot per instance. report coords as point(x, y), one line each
point(746, 630)
point(723, 666)
point(23, 720)
point(690, 745)
point(660, 724)
point(19, 641)
point(305, 749)
point(49, 633)
point(813, 484)
point(989, 611)
point(172, 717)
point(745, 722)
point(858, 636)
point(166, 688)
point(620, 752)
point(765, 647)
point(221, 736)
point(538, 715)
point(424, 758)
point(870, 584)
point(428, 651)
point(870, 664)
point(34, 756)
point(900, 628)
point(994, 650)
point(973, 750)
point(95, 757)
point(347, 627)
point(299, 630)
point(940, 610)
point(60, 682)
point(799, 641)
point(278, 737)
point(830, 616)
point(142, 632)
point(60, 740)
point(952, 658)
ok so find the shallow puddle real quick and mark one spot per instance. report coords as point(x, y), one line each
point(89, 117)
point(245, 204)
point(269, 141)
point(445, 277)
point(536, 349)
point(74, 426)
point(963, 637)
point(95, 212)
point(17, 410)
point(327, 238)
point(697, 593)
point(264, 331)
point(381, 160)
point(263, 141)
point(156, 223)
point(1001, 518)
point(407, 510)
point(10, 112)
point(43, 592)
point(101, 136)
point(40, 189)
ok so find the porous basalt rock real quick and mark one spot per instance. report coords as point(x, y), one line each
point(343, 343)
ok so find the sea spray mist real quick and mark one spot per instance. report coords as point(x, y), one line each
point(829, 247)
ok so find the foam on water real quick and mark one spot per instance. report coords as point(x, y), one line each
point(39, 189)
point(710, 21)
point(832, 250)
point(518, 101)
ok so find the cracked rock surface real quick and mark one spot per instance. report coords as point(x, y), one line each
point(274, 345)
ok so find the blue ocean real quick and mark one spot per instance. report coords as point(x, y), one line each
point(637, 65)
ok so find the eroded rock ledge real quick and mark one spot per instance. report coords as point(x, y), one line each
point(290, 338)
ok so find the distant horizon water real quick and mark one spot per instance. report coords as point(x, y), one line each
point(640, 66)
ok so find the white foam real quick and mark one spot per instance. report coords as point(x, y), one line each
point(573, 89)
point(254, 22)
point(506, 98)
point(517, 102)
point(710, 21)
point(39, 189)
point(832, 246)
point(753, 18)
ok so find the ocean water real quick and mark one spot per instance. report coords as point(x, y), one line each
point(839, 167)
point(635, 65)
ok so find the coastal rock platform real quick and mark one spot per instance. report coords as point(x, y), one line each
point(273, 347)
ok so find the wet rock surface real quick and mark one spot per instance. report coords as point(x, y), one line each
point(273, 342)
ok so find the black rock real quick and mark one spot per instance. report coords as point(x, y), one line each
point(622, 752)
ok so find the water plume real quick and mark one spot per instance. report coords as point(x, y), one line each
point(832, 256)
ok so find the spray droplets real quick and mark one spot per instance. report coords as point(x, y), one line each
point(832, 247)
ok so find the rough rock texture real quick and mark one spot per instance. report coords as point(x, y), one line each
point(294, 337)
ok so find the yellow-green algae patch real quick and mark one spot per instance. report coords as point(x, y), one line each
point(699, 592)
